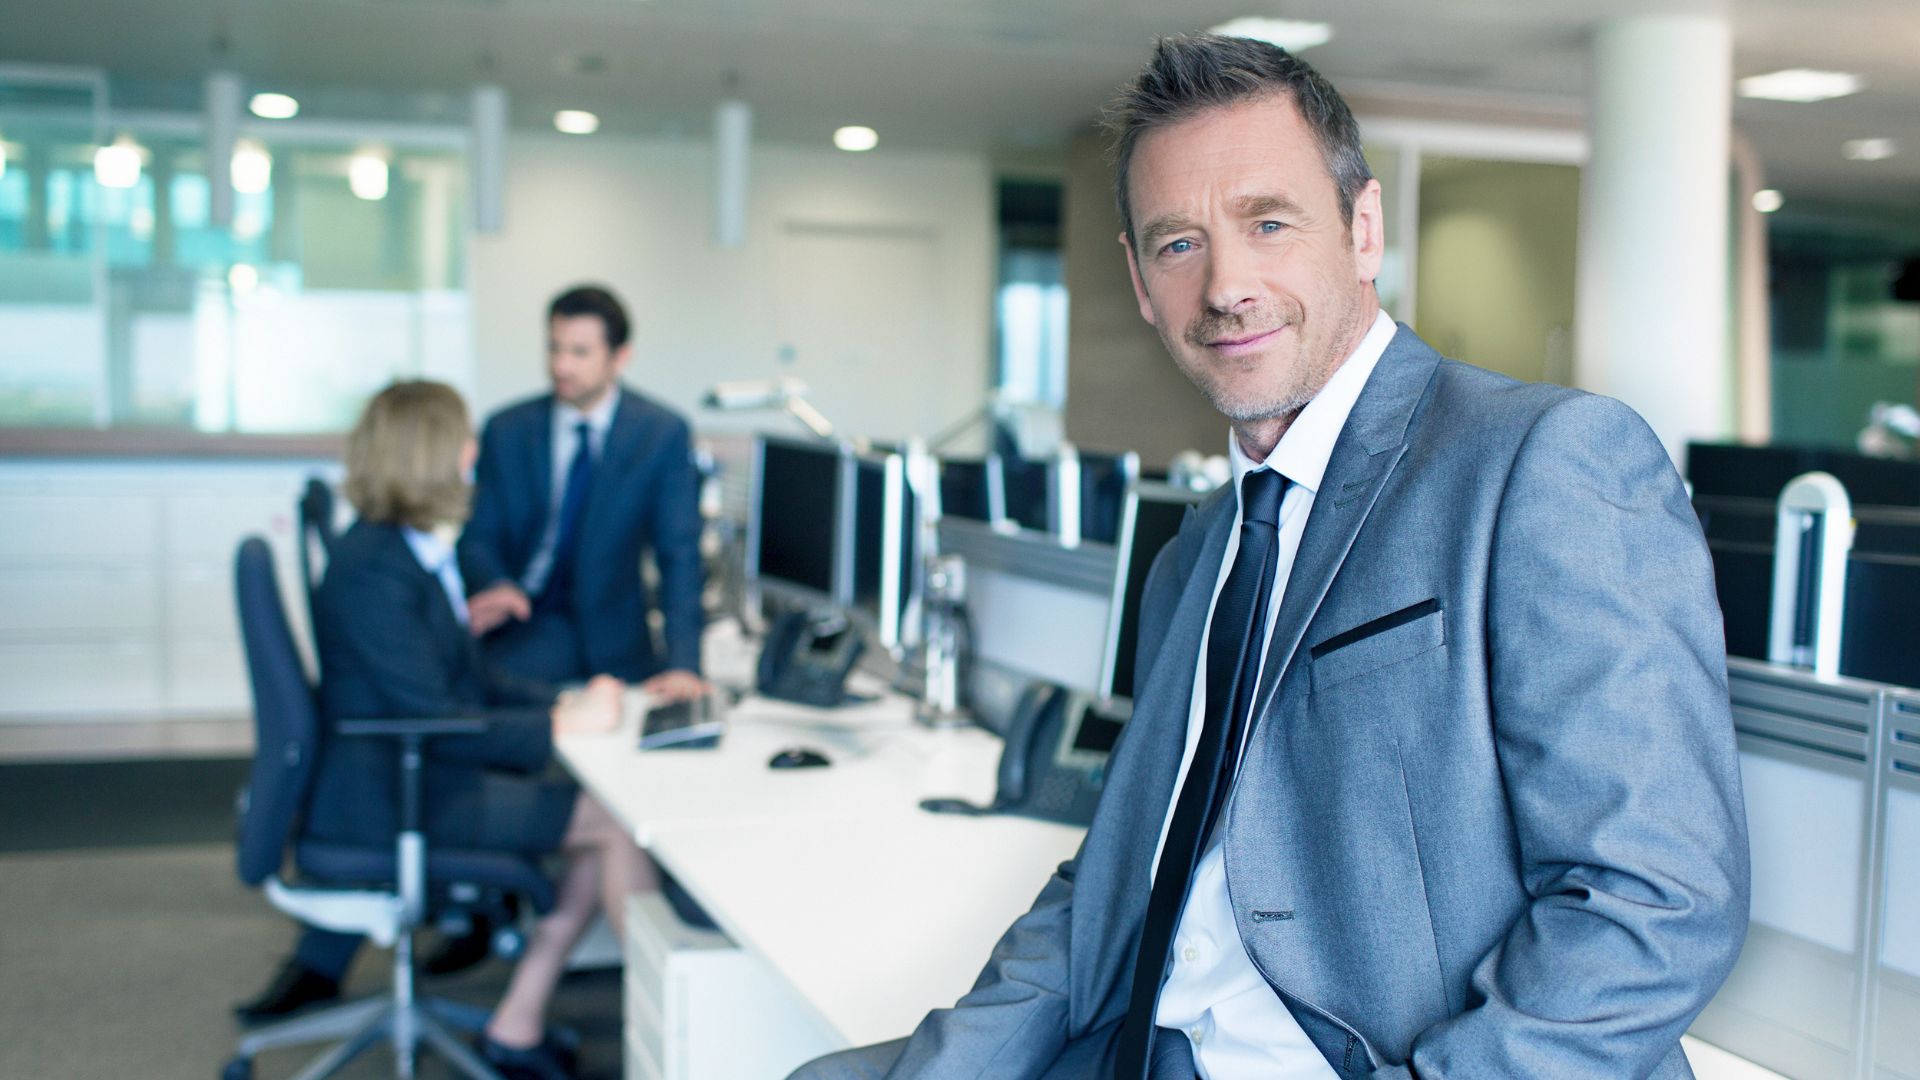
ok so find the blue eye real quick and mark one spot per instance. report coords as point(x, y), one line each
point(1270, 226)
point(1179, 247)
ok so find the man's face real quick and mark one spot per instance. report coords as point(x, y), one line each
point(579, 362)
point(1243, 264)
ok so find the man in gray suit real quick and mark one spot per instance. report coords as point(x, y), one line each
point(1431, 771)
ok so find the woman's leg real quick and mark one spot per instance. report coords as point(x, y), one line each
point(603, 865)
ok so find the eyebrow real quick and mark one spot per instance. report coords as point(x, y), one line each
point(1245, 206)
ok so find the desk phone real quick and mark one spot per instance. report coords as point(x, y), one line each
point(1054, 764)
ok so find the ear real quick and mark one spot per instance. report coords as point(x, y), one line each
point(1139, 287)
point(1369, 231)
point(620, 357)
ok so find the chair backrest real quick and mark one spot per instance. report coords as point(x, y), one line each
point(286, 719)
point(316, 533)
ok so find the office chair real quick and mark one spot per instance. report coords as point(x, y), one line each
point(380, 892)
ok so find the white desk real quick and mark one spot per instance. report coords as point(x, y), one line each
point(871, 909)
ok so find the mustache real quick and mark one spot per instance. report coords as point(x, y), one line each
point(1215, 326)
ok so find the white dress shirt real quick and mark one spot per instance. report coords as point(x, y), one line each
point(1238, 1026)
point(566, 441)
point(434, 552)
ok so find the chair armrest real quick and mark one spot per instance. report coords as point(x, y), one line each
point(413, 727)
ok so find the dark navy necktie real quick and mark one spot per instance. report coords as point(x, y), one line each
point(1234, 639)
point(566, 535)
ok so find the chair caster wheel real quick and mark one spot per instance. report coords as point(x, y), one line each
point(238, 1069)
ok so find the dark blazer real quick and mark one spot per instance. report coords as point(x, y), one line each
point(391, 647)
point(1488, 821)
point(645, 495)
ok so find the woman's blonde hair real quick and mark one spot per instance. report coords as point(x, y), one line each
point(403, 457)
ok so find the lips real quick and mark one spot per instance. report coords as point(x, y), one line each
point(1241, 345)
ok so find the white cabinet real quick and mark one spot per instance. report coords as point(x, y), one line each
point(699, 1008)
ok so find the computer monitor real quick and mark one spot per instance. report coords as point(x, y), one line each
point(882, 529)
point(793, 519)
point(970, 488)
point(1031, 493)
point(1092, 492)
point(1149, 520)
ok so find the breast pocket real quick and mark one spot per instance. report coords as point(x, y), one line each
point(1378, 643)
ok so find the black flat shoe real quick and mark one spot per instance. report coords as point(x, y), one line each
point(550, 1060)
point(455, 954)
point(293, 989)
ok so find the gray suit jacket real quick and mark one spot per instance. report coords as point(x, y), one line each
point(1489, 821)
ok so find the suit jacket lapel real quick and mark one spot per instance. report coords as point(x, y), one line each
point(1369, 447)
point(540, 458)
point(614, 469)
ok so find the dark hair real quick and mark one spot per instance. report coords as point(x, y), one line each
point(1190, 73)
point(598, 302)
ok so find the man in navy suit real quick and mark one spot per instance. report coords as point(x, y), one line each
point(572, 488)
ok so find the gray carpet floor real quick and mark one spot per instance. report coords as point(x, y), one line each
point(122, 963)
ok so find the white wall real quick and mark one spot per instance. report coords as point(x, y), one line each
point(868, 275)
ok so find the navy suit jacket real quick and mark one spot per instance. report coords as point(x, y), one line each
point(391, 648)
point(645, 495)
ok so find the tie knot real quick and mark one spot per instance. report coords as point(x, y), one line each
point(1260, 492)
point(582, 431)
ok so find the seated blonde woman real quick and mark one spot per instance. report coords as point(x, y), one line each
point(390, 623)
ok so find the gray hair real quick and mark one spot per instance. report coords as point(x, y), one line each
point(1190, 73)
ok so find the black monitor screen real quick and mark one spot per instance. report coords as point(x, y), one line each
point(963, 490)
point(1156, 522)
point(1026, 488)
point(1103, 495)
point(869, 534)
point(797, 508)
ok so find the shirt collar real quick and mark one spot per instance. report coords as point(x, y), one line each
point(565, 415)
point(430, 548)
point(1303, 452)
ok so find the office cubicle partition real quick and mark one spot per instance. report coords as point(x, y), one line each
point(1829, 979)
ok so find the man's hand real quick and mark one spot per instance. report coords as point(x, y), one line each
point(594, 708)
point(678, 684)
point(494, 605)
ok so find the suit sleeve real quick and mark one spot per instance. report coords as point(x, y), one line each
point(482, 547)
point(673, 528)
point(386, 637)
point(1018, 1016)
point(1615, 742)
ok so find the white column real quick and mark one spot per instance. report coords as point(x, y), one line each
point(1653, 301)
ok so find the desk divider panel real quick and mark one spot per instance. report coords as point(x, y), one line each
point(1895, 987)
point(1795, 1003)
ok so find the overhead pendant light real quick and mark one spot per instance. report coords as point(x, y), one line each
point(732, 159)
point(856, 138)
point(252, 168)
point(1767, 200)
point(367, 175)
point(273, 106)
point(576, 122)
point(117, 165)
point(1292, 35)
point(1801, 85)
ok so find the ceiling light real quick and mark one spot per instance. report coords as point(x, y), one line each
point(1767, 200)
point(252, 168)
point(1801, 85)
point(242, 278)
point(274, 107)
point(1292, 35)
point(856, 138)
point(367, 175)
point(576, 122)
point(1869, 149)
point(117, 165)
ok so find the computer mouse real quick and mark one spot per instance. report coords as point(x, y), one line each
point(797, 757)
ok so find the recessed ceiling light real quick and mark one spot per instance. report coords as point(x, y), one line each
point(856, 138)
point(576, 122)
point(274, 107)
point(1869, 149)
point(117, 165)
point(1292, 35)
point(1767, 200)
point(1801, 85)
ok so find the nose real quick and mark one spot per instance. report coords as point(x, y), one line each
point(1232, 280)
